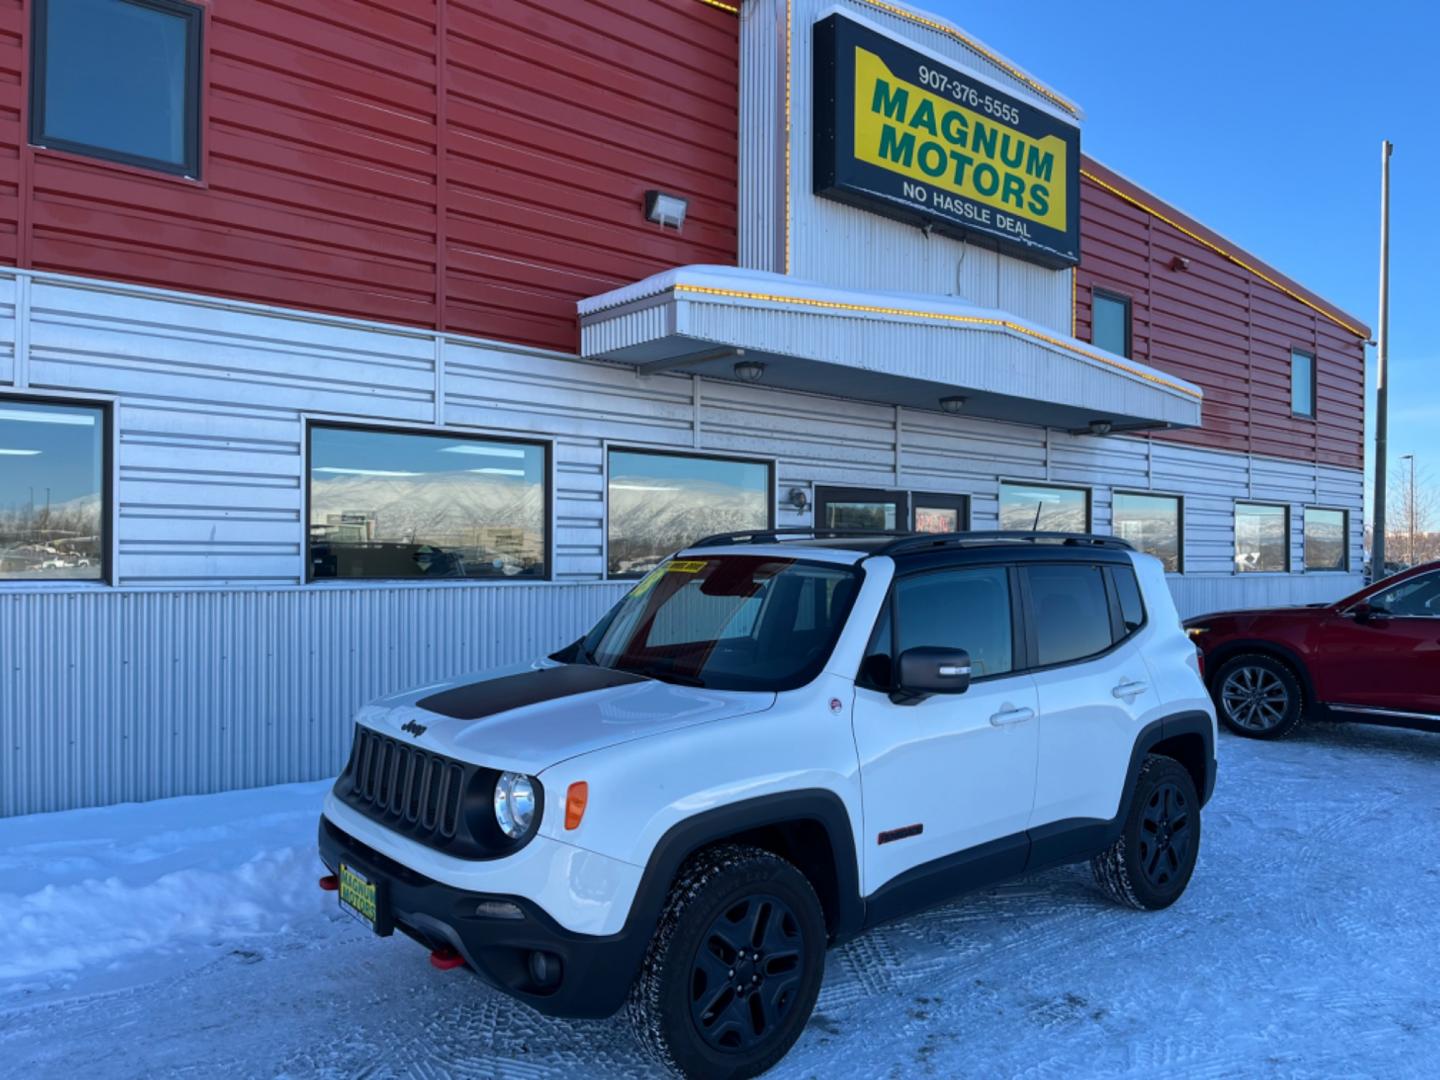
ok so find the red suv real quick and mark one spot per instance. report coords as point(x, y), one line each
point(1374, 655)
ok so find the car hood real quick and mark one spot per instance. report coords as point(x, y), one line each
point(529, 717)
point(1306, 611)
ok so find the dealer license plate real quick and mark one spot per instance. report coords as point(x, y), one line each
point(358, 895)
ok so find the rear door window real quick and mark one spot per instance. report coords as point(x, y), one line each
point(1070, 612)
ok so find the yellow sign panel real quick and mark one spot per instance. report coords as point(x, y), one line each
point(915, 132)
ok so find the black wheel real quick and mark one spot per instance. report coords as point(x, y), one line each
point(1150, 864)
point(1258, 696)
point(734, 968)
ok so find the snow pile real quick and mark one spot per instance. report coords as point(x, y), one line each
point(101, 890)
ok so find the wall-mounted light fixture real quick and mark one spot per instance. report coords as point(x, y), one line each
point(749, 370)
point(799, 499)
point(1100, 427)
point(665, 209)
point(1179, 262)
point(953, 404)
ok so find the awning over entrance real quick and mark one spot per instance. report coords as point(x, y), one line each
point(893, 348)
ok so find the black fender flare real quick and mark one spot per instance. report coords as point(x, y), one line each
point(1162, 730)
point(685, 838)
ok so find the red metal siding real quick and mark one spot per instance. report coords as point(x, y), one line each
point(1222, 326)
point(13, 20)
point(326, 186)
point(560, 117)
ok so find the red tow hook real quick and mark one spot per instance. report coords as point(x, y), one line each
point(330, 883)
point(446, 959)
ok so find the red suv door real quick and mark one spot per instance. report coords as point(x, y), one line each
point(1384, 653)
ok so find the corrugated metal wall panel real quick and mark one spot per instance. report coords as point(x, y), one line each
point(764, 35)
point(120, 695)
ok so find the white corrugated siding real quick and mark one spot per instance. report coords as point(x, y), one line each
point(120, 695)
point(212, 666)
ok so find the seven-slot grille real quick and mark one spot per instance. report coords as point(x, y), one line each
point(397, 783)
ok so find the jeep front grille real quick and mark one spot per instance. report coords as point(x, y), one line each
point(395, 780)
point(434, 800)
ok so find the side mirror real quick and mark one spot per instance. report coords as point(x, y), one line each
point(926, 670)
point(1365, 612)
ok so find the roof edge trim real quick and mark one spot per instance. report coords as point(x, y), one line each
point(1147, 201)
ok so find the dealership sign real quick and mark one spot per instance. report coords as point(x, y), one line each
point(903, 134)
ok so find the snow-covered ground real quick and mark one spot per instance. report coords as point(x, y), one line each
point(187, 937)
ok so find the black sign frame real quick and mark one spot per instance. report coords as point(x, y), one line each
point(841, 176)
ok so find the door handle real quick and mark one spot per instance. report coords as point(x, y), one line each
point(1129, 690)
point(1012, 716)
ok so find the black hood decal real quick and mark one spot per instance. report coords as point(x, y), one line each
point(528, 688)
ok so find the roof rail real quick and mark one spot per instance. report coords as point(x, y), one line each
point(919, 541)
point(902, 541)
point(773, 536)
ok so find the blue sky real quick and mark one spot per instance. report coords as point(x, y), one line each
point(1264, 120)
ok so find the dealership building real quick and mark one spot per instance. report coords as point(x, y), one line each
point(346, 347)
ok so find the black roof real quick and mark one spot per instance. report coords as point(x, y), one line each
point(912, 544)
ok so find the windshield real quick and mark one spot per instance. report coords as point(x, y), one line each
point(729, 622)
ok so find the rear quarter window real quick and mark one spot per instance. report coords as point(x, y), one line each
point(1127, 593)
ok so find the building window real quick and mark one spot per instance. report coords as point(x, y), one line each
point(1262, 538)
point(659, 503)
point(1302, 383)
point(1031, 507)
point(54, 523)
point(1326, 539)
point(118, 80)
point(1153, 524)
point(1110, 322)
point(390, 504)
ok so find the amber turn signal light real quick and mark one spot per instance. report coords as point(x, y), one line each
point(575, 799)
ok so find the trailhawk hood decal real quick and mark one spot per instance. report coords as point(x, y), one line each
point(529, 718)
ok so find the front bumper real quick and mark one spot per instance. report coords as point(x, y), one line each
point(595, 972)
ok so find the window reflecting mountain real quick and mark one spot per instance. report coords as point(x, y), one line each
point(52, 520)
point(396, 505)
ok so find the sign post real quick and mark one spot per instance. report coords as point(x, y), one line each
point(1382, 376)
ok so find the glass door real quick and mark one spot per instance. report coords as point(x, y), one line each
point(940, 513)
point(861, 508)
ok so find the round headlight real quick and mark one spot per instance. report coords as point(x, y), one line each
point(514, 804)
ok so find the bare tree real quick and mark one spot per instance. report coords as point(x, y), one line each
point(1412, 532)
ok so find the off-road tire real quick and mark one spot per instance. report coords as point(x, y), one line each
point(712, 886)
point(1269, 676)
point(1138, 870)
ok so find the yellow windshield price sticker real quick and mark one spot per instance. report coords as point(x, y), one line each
point(686, 566)
point(647, 583)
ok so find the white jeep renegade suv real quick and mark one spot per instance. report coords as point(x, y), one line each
point(770, 744)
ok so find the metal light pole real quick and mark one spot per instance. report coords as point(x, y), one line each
point(1410, 511)
point(1382, 356)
